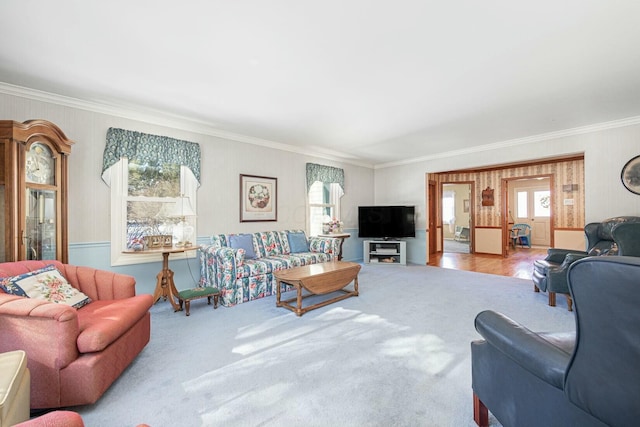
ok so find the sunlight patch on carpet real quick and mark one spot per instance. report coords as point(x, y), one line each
point(426, 353)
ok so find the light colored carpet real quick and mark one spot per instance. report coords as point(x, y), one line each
point(397, 355)
point(461, 247)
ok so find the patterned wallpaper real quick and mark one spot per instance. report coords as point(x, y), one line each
point(562, 172)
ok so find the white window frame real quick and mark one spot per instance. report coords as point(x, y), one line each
point(118, 176)
point(449, 203)
point(335, 193)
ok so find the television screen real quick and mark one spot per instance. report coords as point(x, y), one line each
point(386, 222)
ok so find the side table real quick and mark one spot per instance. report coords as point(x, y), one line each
point(340, 236)
point(165, 287)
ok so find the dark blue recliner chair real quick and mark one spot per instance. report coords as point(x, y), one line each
point(550, 274)
point(590, 377)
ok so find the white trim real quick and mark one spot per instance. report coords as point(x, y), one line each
point(191, 125)
point(175, 121)
point(519, 141)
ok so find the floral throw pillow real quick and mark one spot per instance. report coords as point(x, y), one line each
point(47, 284)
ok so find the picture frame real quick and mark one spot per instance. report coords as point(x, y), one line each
point(258, 198)
point(630, 175)
point(487, 197)
point(465, 205)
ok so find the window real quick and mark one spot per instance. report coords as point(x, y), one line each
point(324, 205)
point(523, 204)
point(536, 201)
point(143, 202)
point(542, 203)
point(325, 186)
point(448, 207)
point(150, 176)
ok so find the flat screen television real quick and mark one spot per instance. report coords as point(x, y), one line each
point(386, 222)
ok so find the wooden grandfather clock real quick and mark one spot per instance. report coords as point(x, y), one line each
point(34, 191)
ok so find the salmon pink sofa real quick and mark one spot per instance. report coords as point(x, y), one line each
point(73, 354)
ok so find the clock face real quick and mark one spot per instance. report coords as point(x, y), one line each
point(40, 164)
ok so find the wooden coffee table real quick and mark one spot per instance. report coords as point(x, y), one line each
point(318, 279)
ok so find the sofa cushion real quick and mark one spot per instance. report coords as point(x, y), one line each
point(269, 243)
point(219, 241)
point(243, 241)
point(103, 322)
point(307, 258)
point(260, 266)
point(298, 242)
point(46, 284)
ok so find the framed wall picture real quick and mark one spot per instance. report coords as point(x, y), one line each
point(487, 197)
point(258, 198)
point(630, 175)
point(465, 205)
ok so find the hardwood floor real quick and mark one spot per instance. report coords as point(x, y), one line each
point(519, 263)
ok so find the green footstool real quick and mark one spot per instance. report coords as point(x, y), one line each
point(190, 294)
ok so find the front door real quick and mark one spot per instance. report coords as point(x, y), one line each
point(533, 207)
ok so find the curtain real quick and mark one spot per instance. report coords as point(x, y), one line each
point(449, 209)
point(335, 193)
point(326, 174)
point(146, 147)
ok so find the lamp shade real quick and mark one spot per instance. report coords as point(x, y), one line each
point(183, 231)
point(183, 208)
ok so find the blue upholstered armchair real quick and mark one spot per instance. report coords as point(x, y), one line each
point(584, 378)
point(521, 235)
point(550, 274)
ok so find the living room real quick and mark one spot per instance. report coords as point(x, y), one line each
point(224, 160)
point(607, 144)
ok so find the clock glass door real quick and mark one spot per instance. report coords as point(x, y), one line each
point(40, 233)
point(33, 191)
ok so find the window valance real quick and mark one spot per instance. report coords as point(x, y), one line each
point(323, 173)
point(146, 147)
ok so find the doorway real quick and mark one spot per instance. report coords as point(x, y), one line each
point(456, 217)
point(529, 202)
point(432, 230)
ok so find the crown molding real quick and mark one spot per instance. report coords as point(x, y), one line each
point(175, 121)
point(519, 141)
point(162, 118)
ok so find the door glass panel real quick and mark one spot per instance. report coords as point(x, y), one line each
point(542, 203)
point(522, 204)
point(40, 233)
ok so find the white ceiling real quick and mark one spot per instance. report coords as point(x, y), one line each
point(369, 80)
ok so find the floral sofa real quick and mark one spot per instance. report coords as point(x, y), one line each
point(242, 265)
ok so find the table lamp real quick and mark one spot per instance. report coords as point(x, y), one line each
point(183, 231)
